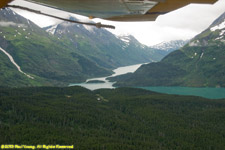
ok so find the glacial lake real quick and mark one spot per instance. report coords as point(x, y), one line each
point(107, 84)
point(211, 93)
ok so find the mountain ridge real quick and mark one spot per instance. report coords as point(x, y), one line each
point(200, 63)
point(170, 45)
point(72, 55)
point(77, 32)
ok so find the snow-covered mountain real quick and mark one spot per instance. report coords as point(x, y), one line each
point(126, 39)
point(90, 41)
point(214, 35)
point(171, 45)
point(66, 28)
point(219, 26)
point(219, 23)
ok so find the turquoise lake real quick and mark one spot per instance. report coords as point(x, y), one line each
point(211, 93)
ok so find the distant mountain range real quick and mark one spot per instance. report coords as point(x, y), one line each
point(104, 47)
point(200, 63)
point(67, 53)
point(171, 45)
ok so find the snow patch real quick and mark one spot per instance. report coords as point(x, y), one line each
point(124, 47)
point(142, 46)
point(125, 40)
point(9, 23)
point(170, 45)
point(218, 27)
point(52, 29)
point(59, 32)
point(194, 43)
point(201, 55)
point(219, 38)
point(89, 28)
point(222, 32)
point(15, 64)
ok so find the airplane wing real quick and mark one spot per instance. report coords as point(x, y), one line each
point(119, 10)
point(3, 3)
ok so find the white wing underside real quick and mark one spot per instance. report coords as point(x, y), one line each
point(106, 9)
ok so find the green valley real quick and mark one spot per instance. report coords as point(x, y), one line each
point(71, 55)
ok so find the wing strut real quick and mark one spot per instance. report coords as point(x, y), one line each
point(98, 25)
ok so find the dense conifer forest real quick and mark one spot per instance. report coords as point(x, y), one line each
point(119, 119)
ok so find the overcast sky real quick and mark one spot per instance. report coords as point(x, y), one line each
point(183, 23)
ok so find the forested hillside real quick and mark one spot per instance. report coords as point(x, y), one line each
point(200, 63)
point(118, 119)
point(73, 54)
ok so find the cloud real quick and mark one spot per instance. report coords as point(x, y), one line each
point(183, 23)
point(193, 16)
point(7, 24)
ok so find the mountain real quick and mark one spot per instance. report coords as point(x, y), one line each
point(49, 60)
point(200, 63)
point(32, 57)
point(102, 46)
point(170, 46)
